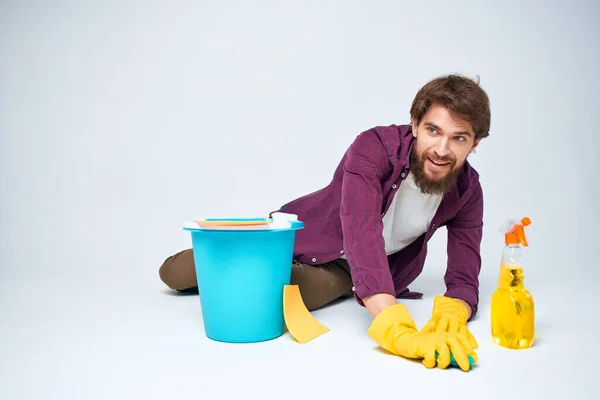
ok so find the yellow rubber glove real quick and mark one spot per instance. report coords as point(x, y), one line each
point(450, 315)
point(395, 331)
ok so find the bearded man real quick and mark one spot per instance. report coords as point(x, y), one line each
point(366, 233)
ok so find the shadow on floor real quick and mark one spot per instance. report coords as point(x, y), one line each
point(180, 293)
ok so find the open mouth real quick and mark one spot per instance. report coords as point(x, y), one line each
point(437, 164)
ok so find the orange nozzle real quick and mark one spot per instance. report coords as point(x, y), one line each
point(517, 233)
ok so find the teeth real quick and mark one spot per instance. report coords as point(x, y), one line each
point(440, 163)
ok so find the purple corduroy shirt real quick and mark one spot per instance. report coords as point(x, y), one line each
point(345, 218)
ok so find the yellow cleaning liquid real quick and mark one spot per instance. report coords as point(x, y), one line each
point(512, 310)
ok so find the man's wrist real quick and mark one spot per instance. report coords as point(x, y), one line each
point(378, 302)
point(467, 306)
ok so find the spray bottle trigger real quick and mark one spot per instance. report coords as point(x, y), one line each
point(521, 233)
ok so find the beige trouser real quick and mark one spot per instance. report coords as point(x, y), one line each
point(318, 284)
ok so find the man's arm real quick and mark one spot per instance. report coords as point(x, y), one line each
point(376, 303)
point(366, 163)
point(465, 232)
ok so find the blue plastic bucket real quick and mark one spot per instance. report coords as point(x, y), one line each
point(241, 275)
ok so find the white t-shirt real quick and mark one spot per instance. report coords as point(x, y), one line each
point(408, 216)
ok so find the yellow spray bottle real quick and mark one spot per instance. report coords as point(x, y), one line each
point(512, 308)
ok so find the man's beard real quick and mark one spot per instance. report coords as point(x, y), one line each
point(427, 185)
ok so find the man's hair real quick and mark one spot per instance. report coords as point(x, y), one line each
point(462, 96)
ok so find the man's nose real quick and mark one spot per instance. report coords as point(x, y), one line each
point(442, 148)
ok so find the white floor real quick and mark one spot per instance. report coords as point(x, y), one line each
point(102, 336)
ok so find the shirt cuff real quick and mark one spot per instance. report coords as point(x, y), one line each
point(368, 283)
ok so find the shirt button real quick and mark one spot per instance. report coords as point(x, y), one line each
point(353, 289)
point(394, 186)
point(341, 251)
point(403, 174)
point(314, 260)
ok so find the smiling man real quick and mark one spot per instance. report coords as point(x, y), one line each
point(366, 232)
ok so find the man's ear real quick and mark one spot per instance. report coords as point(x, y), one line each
point(475, 145)
point(414, 126)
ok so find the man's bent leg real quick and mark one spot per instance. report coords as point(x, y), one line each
point(322, 284)
point(319, 284)
point(178, 271)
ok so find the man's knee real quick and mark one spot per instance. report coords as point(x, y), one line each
point(178, 271)
point(321, 285)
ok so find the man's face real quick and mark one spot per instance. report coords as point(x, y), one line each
point(441, 147)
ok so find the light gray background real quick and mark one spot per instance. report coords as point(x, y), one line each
point(120, 120)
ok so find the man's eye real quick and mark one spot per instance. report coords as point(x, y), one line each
point(432, 130)
point(460, 138)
